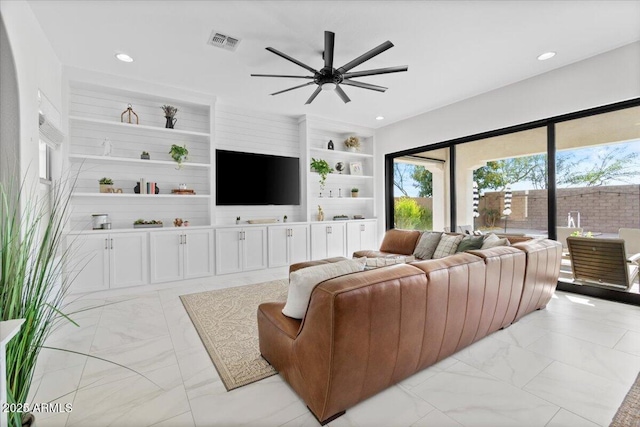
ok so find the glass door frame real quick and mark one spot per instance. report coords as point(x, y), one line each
point(549, 123)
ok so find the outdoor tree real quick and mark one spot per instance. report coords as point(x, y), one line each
point(400, 172)
point(610, 164)
point(423, 181)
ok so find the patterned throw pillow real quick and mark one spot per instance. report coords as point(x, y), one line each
point(389, 260)
point(427, 244)
point(470, 243)
point(447, 246)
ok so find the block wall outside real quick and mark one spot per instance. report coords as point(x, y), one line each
point(602, 209)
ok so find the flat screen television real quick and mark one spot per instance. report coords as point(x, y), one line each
point(256, 179)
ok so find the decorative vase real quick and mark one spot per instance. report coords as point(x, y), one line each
point(106, 188)
point(145, 157)
point(320, 216)
point(352, 149)
point(354, 194)
point(170, 122)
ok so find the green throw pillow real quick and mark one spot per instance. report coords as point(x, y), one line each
point(470, 243)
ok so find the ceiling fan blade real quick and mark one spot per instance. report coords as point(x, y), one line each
point(281, 75)
point(364, 85)
point(329, 41)
point(288, 58)
point(342, 95)
point(292, 88)
point(313, 95)
point(376, 71)
point(366, 56)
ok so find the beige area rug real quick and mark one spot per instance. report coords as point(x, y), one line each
point(227, 323)
point(628, 414)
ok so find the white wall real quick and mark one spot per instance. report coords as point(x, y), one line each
point(37, 67)
point(603, 79)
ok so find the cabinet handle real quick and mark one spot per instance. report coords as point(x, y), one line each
point(291, 232)
point(180, 239)
point(361, 227)
point(111, 244)
point(185, 239)
point(329, 230)
point(106, 243)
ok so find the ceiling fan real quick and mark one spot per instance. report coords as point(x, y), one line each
point(329, 78)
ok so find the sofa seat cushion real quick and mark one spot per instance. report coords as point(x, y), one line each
point(272, 311)
point(427, 244)
point(302, 282)
point(305, 264)
point(401, 242)
point(447, 245)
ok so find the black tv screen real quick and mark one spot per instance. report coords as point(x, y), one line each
point(256, 179)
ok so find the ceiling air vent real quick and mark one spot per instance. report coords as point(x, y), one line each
point(223, 41)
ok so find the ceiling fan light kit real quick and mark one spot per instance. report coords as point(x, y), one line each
point(329, 78)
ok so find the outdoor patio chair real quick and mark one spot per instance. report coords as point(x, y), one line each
point(602, 262)
point(631, 237)
point(563, 232)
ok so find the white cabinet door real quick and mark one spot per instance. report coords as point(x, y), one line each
point(198, 253)
point(128, 259)
point(278, 246)
point(89, 263)
point(319, 241)
point(166, 256)
point(361, 236)
point(336, 240)
point(228, 250)
point(254, 242)
point(298, 244)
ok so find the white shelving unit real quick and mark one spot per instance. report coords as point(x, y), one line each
point(335, 198)
point(95, 120)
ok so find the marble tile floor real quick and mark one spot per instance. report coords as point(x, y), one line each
point(568, 365)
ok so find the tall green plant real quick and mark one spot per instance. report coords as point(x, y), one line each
point(32, 286)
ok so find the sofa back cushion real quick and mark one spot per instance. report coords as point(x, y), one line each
point(447, 245)
point(427, 244)
point(302, 282)
point(401, 242)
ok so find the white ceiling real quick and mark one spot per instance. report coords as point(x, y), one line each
point(454, 49)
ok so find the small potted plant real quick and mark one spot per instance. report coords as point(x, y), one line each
point(284, 219)
point(106, 185)
point(145, 155)
point(179, 154)
point(169, 113)
point(354, 192)
point(352, 143)
point(323, 169)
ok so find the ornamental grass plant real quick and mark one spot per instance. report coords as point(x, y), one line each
point(32, 286)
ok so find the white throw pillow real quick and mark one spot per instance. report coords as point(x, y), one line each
point(488, 244)
point(302, 282)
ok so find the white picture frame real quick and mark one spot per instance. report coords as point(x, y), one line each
point(355, 168)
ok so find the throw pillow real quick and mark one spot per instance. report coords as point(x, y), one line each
point(489, 238)
point(427, 244)
point(302, 282)
point(447, 245)
point(470, 243)
point(493, 243)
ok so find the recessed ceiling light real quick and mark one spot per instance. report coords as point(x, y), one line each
point(380, 118)
point(546, 55)
point(124, 57)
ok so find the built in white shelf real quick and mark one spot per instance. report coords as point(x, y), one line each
point(333, 176)
point(81, 157)
point(143, 127)
point(151, 196)
point(353, 154)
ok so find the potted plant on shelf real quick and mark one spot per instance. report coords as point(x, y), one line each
point(179, 154)
point(106, 185)
point(169, 113)
point(352, 143)
point(354, 192)
point(323, 169)
point(145, 155)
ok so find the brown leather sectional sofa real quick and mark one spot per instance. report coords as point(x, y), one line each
point(366, 331)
